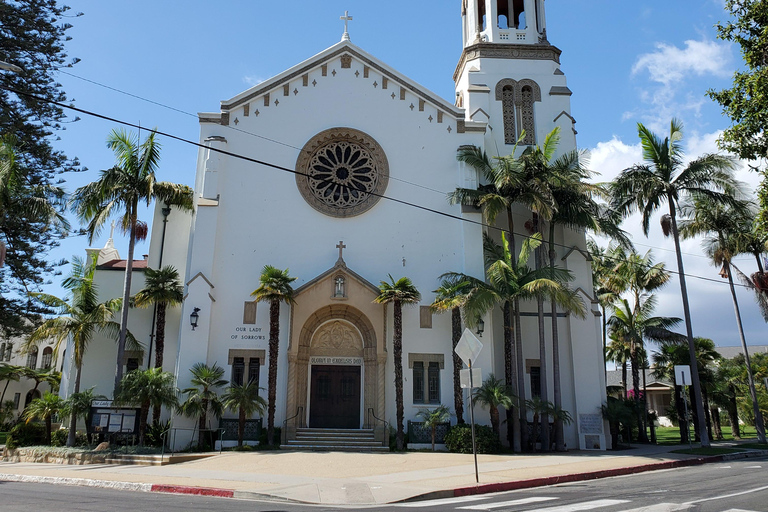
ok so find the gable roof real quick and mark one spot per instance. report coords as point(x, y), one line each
point(339, 266)
point(335, 51)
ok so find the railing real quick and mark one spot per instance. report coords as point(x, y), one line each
point(299, 414)
point(371, 414)
point(172, 432)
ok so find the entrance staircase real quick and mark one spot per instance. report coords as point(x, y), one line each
point(334, 440)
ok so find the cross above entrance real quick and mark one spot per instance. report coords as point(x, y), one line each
point(341, 248)
point(347, 18)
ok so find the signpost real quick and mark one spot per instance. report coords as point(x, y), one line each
point(468, 348)
point(681, 372)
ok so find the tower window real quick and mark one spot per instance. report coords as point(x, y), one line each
point(238, 371)
point(536, 381)
point(508, 108)
point(518, 13)
point(253, 370)
point(47, 357)
point(526, 115)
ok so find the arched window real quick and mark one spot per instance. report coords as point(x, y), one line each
point(8, 352)
point(526, 115)
point(32, 358)
point(508, 109)
point(47, 357)
point(31, 395)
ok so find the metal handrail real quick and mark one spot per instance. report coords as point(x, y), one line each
point(284, 435)
point(386, 424)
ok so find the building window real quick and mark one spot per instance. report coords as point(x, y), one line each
point(238, 371)
point(2, 351)
point(47, 357)
point(32, 359)
point(8, 352)
point(16, 400)
point(526, 115)
point(508, 112)
point(253, 370)
point(536, 381)
point(418, 382)
point(132, 364)
point(433, 382)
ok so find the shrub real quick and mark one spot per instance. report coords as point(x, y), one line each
point(154, 434)
point(26, 434)
point(459, 439)
point(263, 438)
point(59, 438)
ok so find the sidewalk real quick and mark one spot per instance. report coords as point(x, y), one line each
point(334, 478)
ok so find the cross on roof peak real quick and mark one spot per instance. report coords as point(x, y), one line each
point(347, 18)
point(340, 246)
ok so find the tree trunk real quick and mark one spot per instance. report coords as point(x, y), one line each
point(434, 432)
point(624, 377)
point(159, 347)
point(143, 419)
point(705, 398)
point(241, 428)
point(201, 423)
point(126, 296)
point(733, 413)
point(698, 406)
point(397, 349)
point(73, 417)
point(458, 398)
point(495, 419)
point(509, 367)
point(682, 422)
point(543, 418)
point(48, 428)
point(521, 437)
point(759, 425)
point(642, 435)
point(274, 347)
point(715, 413)
point(556, 391)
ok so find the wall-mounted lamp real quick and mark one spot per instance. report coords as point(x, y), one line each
point(480, 327)
point(194, 317)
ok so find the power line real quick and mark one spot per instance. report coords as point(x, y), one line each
point(299, 173)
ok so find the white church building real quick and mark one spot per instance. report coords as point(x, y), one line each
point(347, 121)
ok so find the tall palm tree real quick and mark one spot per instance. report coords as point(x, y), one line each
point(120, 190)
point(618, 350)
point(275, 287)
point(398, 293)
point(662, 179)
point(721, 225)
point(147, 388)
point(633, 324)
point(245, 399)
point(451, 296)
point(203, 397)
point(81, 317)
point(494, 393)
point(604, 260)
point(44, 408)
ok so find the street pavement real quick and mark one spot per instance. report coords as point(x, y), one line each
point(334, 478)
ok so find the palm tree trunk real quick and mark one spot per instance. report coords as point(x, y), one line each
point(241, 427)
point(274, 346)
point(73, 416)
point(521, 436)
point(397, 349)
point(682, 421)
point(201, 422)
point(715, 413)
point(759, 426)
point(159, 347)
point(509, 366)
point(698, 406)
point(143, 419)
point(126, 297)
point(556, 391)
point(705, 398)
point(733, 413)
point(544, 418)
point(624, 377)
point(642, 435)
point(458, 398)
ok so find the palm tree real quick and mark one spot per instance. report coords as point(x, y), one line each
point(152, 387)
point(494, 393)
point(79, 404)
point(44, 408)
point(82, 316)
point(722, 225)
point(8, 373)
point(203, 398)
point(398, 293)
point(120, 190)
point(47, 375)
point(662, 179)
point(451, 296)
point(433, 418)
point(618, 350)
point(275, 287)
point(245, 399)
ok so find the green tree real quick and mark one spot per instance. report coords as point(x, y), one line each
point(81, 317)
point(721, 226)
point(275, 287)
point(433, 418)
point(661, 179)
point(78, 405)
point(33, 38)
point(44, 408)
point(245, 399)
point(46, 375)
point(494, 393)
point(451, 296)
point(398, 293)
point(203, 397)
point(120, 190)
point(8, 373)
point(147, 388)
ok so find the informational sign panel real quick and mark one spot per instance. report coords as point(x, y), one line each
point(107, 418)
point(468, 347)
point(682, 375)
point(591, 423)
point(477, 378)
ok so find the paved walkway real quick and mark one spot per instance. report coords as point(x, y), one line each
point(354, 478)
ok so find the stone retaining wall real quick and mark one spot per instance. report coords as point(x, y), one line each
point(77, 459)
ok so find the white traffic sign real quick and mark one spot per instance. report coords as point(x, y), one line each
point(468, 347)
point(682, 375)
point(477, 378)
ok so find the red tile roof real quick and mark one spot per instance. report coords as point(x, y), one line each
point(121, 264)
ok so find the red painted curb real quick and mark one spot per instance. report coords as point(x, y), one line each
point(577, 477)
point(198, 491)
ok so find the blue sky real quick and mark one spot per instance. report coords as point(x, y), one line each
point(626, 62)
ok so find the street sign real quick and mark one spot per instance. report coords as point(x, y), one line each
point(477, 378)
point(682, 375)
point(468, 347)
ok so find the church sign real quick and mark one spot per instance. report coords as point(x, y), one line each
point(341, 361)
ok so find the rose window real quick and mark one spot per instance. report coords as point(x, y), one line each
point(342, 172)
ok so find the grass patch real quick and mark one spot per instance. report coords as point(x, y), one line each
point(3, 437)
point(670, 436)
point(755, 446)
point(709, 451)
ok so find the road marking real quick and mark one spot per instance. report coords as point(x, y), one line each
point(660, 507)
point(724, 467)
point(753, 467)
point(524, 501)
point(758, 489)
point(443, 501)
point(738, 510)
point(587, 505)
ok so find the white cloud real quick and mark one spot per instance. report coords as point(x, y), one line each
point(252, 80)
point(670, 64)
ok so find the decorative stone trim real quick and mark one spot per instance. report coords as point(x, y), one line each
point(246, 110)
point(266, 100)
point(384, 82)
point(305, 80)
point(342, 172)
point(560, 91)
point(461, 126)
point(425, 317)
point(246, 354)
point(506, 51)
point(529, 363)
point(421, 105)
point(225, 118)
point(324, 69)
point(346, 61)
point(402, 93)
point(249, 312)
point(287, 90)
point(426, 358)
point(366, 71)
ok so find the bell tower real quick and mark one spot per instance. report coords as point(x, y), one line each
point(509, 75)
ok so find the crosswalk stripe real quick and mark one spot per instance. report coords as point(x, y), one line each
point(587, 505)
point(443, 501)
point(738, 510)
point(661, 507)
point(523, 501)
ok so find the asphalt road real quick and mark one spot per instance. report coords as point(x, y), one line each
point(738, 486)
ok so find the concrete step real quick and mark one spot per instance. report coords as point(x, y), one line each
point(335, 448)
point(335, 442)
point(335, 439)
point(338, 440)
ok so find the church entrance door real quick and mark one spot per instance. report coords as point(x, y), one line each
point(335, 397)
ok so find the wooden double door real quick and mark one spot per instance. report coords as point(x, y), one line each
point(334, 397)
